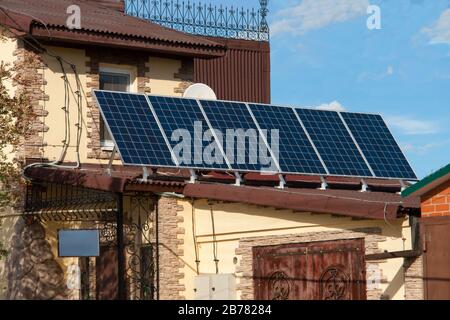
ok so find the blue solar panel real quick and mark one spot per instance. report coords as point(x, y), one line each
point(296, 154)
point(334, 143)
point(379, 146)
point(140, 140)
point(134, 129)
point(181, 120)
point(231, 116)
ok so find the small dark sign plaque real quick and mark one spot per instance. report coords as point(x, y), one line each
point(78, 243)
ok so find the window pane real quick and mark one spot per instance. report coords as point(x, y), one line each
point(112, 82)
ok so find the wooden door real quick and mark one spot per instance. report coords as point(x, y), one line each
point(436, 247)
point(332, 270)
point(107, 280)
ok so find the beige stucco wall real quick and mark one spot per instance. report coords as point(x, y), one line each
point(162, 73)
point(162, 81)
point(54, 88)
point(237, 221)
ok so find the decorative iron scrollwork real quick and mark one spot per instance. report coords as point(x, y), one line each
point(334, 283)
point(64, 203)
point(203, 19)
point(279, 286)
point(141, 250)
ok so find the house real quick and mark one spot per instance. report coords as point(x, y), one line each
point(160, 236)
point(434, 193)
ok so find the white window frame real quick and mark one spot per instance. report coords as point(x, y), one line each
point(108, 145)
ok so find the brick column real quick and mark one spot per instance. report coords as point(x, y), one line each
point(29, 79)
point(170, 249)
point(414, 278)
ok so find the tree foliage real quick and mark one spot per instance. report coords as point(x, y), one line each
point(16, 114)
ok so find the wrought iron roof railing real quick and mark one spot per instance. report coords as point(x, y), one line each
point(204, 19)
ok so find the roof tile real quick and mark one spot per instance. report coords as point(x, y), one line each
point(97, 18)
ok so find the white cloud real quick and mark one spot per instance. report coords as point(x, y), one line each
point(439, 31)
point(389, 71)
point(316, 14)
point(422, 149)
point(410, 126)
point(333, 106)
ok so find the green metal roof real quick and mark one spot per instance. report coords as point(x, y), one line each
point(428, 183)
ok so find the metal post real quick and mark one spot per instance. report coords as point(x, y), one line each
point(110, 162)
point(324, 184)
point(364, 186)
point(157, 245)
point(121, 292)
point(193, 177)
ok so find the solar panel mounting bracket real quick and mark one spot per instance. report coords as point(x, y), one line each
point(364, 186)
point(193, 177)
point(111, 159)
point(323, 184)
point(403, 185)
point(238, 180)
point(282, 184)
point(144, 174)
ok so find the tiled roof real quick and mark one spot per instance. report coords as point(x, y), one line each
point(52, 14)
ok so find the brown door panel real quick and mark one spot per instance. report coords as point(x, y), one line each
point(310, 271)
point(436, 257)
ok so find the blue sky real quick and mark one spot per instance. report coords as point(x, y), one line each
point(323, 54)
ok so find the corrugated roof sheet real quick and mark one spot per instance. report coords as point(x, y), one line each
point(429, 182)
point(96, 18)
point(371, 205)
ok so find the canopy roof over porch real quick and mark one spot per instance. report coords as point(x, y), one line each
point(342, 198)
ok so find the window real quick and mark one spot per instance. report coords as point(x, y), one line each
point(112, 81)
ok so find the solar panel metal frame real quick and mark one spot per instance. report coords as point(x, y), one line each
point(391, 133)
point(358, 152)
point(351, 134)
point(301, 128)
point(169, 145)
point(257, 126)
point(116, 148)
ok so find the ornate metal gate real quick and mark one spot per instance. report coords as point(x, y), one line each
point(333, 270)
point(127, 267)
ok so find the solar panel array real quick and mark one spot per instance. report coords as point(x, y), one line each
point(160, 131)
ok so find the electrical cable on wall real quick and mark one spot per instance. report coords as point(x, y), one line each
point(79, 92)
point(216, 260)
point(194, 235)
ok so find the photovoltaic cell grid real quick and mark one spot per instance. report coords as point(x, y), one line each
point(378, 145)
point(134, 129)
point(334, 143)
point(225, 116)
point(140, 141)
point(177, 115)
point(291, 138)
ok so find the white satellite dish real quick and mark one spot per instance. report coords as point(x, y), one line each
point(200, 91)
